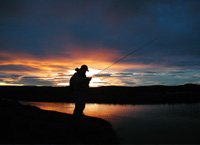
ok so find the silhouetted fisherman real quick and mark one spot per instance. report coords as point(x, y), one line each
point(79, 84)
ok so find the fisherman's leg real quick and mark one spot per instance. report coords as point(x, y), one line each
point(79, 105)
point(82, 103)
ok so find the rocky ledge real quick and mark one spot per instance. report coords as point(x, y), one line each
point(28, 124)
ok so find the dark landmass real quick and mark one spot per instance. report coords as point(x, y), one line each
point(28, 124)
point(188, 93)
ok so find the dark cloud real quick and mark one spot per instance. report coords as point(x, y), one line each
point(146, 19)
point(4, 76)
point(11, 8)
point(146, 75)
point(125, 74)
point(30, 78)
point(17, 68)
point(15, 76)
point(122, 75)
point(120, 10)
point(103, 75)
point(150, 72)
point(12, 76)
point(47, 29)
point(3, 58)
point(115, 75)
point(129, 83)
point(31, 81)
point(180, 72)
point(189, 63)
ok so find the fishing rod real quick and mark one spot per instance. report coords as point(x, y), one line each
point(147, 43)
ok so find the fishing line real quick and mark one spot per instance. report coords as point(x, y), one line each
point(147, 43)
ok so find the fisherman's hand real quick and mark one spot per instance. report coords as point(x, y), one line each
point(89, 78)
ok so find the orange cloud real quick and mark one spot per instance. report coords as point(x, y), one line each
point(49, 66)
point(96, 59)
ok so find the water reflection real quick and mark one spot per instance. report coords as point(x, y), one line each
point(105, 111)
point(144, 123)
point(59, 107)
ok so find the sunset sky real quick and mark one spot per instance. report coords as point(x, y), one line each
point(43, 41)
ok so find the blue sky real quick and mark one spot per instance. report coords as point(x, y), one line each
point(43, 41)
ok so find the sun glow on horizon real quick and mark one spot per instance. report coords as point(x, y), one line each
point(6, 84)
point(96, 82)
point(25, 69)
point(63, 84)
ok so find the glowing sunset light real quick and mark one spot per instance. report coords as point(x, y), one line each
point(63, 84)
point(95, 82)
point(5, 84)
point(92, 72)
point(59, 71)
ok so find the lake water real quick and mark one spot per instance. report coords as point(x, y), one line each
point(175, 124)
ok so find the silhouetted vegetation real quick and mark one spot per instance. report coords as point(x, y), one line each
point(188, 93)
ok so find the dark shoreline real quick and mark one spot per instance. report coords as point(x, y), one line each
point(109, 95)
point(24, 124)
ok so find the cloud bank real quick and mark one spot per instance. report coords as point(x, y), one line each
point(42, 39)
